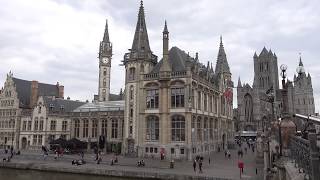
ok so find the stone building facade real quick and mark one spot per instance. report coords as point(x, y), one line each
point(176, 107)
point(255, 109)
point(99, 120)
point(49, 120)
point(17, 99)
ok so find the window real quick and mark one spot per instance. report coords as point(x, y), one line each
point(85, 128)
point(104, 71)
point(199, 129)
point(177, 97)
point(131, 111)
point(104, 126)
point(172, 150)
point(152, 98)
point(152, 131)
point(210, 104)
point(36, 124)
point(77, 128)
point(114, 130)
point(104, 82)
point(205, 129)
point(132, 72)
point(53, 125)
point(41, 124)
point(177, 128)
point(131, 92)
point(211, 128)
point(182, 151)
point(94, 132)
point(34, 140)
point(29, 125)
point(205, 102)
point(39, 109)
point(151, 150)
point(147, 149)
point(39, 139)
point(199, 99)
point(24, 125)
point(155, 150)
point(64, 125)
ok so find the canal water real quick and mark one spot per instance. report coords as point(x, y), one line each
point(14, 174)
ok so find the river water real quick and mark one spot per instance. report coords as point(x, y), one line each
point(14, 174)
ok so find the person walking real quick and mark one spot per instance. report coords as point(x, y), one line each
point(200, 166)
point(194, 165)
point(209, 160)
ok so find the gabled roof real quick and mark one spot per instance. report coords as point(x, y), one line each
point(177, 60)
point(23, 88)
point(58, 104)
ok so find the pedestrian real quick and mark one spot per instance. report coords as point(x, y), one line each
point(225, 153)
point(229, 154)
point(209, 160)
point(245, 150)
point(194, 165)
point(200, 166)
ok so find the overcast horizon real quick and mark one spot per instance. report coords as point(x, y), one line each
point(57, 40)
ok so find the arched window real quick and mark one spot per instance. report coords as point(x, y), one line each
point(205, 128)
point(211, 128)
point(104, 82)
point(152, 98)
point(41, 124)
point(248, 108)
point(36, 123)
point(177, 128)
point(152, 130)
point(114, 130)
point(104, 126)
point(77, 128)
point(104, 71)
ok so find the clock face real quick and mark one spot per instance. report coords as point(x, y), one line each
point(105, 60)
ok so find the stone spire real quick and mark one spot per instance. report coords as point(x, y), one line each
point(141, 40)
point(165, 66)
point(300, 61)
point(106, 33)
point(239, 82)
point(264, 52)
point(222, 65)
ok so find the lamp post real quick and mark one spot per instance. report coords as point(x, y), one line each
point(280, 139)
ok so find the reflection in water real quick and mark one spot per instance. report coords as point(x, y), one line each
point(13, 174)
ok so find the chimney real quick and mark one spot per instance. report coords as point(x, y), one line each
point(34, 93)
point(60, 91)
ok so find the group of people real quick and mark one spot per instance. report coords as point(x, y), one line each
point(198, 160)
point(12, 152)
point(141, 163)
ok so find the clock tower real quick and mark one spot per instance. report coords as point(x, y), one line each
point(105, 55)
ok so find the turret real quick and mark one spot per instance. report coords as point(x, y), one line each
point(239, 82)
point(165, 66)
point(222, 65)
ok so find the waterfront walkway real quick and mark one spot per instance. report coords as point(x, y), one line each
point(220, 166)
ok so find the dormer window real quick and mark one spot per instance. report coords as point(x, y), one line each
point(51, 107)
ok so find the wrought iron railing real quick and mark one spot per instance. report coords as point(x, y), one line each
point(300, 152)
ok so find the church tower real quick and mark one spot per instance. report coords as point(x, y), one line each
point(265, 70)
point(105, 55)
point(138, 61)
point(303, 92)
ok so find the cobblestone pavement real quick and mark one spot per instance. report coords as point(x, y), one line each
point(220, 166)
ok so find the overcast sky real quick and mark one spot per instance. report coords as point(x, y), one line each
point(58, 40)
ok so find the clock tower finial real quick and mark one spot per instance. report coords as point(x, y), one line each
point(105, 55)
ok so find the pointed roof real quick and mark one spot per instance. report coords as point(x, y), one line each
point(255, 55)
point(222, 62)
point(141, 40)
point(106, 33)
point(264, 51)
point(165, 29)
point(300, 62)
point(239, 82)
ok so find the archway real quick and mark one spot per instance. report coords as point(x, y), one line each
point(24, 143)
